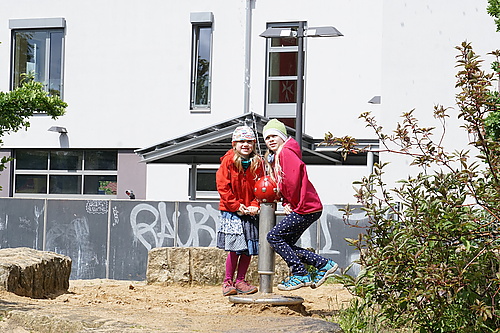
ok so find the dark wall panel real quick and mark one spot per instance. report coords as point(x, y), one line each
point(21, 223)
point(136, 227)
point(79, 229)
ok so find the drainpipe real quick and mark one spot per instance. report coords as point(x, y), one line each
point(369, 162)
point(192, 181)
point(248, 46)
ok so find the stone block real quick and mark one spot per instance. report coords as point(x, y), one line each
point(200, 266)
point(33, 273)
point(208, 265)
point(169, 265)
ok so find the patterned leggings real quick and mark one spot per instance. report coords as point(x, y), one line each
point(286, 233)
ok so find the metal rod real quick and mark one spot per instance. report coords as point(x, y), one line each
point(300, 85)
point(266, 264)
point(248, 46)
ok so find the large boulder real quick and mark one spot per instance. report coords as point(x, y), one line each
point(199, 265)
point(33, 273)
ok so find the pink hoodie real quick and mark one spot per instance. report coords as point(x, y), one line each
point(295, 186)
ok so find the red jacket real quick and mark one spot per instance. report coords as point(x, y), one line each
point(236, 187)
point(295, 187)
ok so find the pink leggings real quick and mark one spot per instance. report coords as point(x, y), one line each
point(232, 263)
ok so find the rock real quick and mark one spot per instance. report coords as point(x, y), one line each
point(199, 265)
point(33, 273)
point(208, 265)
point(168, 266)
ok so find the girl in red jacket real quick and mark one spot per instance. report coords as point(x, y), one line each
point(302, 205)
point(238, 230)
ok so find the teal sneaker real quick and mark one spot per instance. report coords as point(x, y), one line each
point(295, 282)
point(324, 273)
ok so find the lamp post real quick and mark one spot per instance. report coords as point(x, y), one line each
point(301, 32)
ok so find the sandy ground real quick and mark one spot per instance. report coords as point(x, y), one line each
point(125, 306)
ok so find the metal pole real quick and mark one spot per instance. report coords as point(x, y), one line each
point(266, 264)
point(369, 162)
point(300, 85)
point(192, 181)
point(248, 46)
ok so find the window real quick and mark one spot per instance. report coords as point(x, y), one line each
point(201, 61)
point(205, 180)
point(202, 184)
point(281, 76)
point(68, 172)
point(37, 49)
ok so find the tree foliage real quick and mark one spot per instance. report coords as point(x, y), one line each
point(494, 10)
point(430, 254)
point(18, 105)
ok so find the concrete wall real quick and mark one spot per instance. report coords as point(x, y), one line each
point(112, 238)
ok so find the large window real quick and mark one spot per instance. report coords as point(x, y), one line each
point(68, 172)
point(201, 60)
point(281, 75)
point(37, 50)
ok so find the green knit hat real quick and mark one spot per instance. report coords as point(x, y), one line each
point(275, 127)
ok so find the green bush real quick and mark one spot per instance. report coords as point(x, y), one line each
point(430, 255)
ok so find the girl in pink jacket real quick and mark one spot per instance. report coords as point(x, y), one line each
point(302, 205)
point(238, 232)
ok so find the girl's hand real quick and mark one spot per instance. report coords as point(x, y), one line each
point(253, 210)
point(243, 209)
point(287, 209)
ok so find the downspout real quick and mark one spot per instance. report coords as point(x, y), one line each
point(193, 171)
point(248, 47)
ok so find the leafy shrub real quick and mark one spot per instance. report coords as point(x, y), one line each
point(430, 254)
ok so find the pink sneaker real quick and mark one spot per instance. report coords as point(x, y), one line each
point(243, 287)
point(228, 288)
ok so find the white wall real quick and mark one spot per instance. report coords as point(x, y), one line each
point(335, 184)
point(167, 182)
point(342, 73)
point(127, 70)
point(419, 61)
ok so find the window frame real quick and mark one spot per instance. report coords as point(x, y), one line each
point(200, 21)
point(48, 173)
point(280, 110)
point(49, 26)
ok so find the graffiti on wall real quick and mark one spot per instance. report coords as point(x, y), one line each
point(194, 225)
point(111, 238)
point(161, 227)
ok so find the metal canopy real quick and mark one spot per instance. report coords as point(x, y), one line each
point(207, 145)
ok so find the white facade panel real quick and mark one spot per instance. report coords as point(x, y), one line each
point(167, 182)
point(127, 72)
point(418, 64)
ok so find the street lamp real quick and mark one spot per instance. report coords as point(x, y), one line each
point(300, 33)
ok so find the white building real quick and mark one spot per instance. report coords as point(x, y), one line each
point(128, 71)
